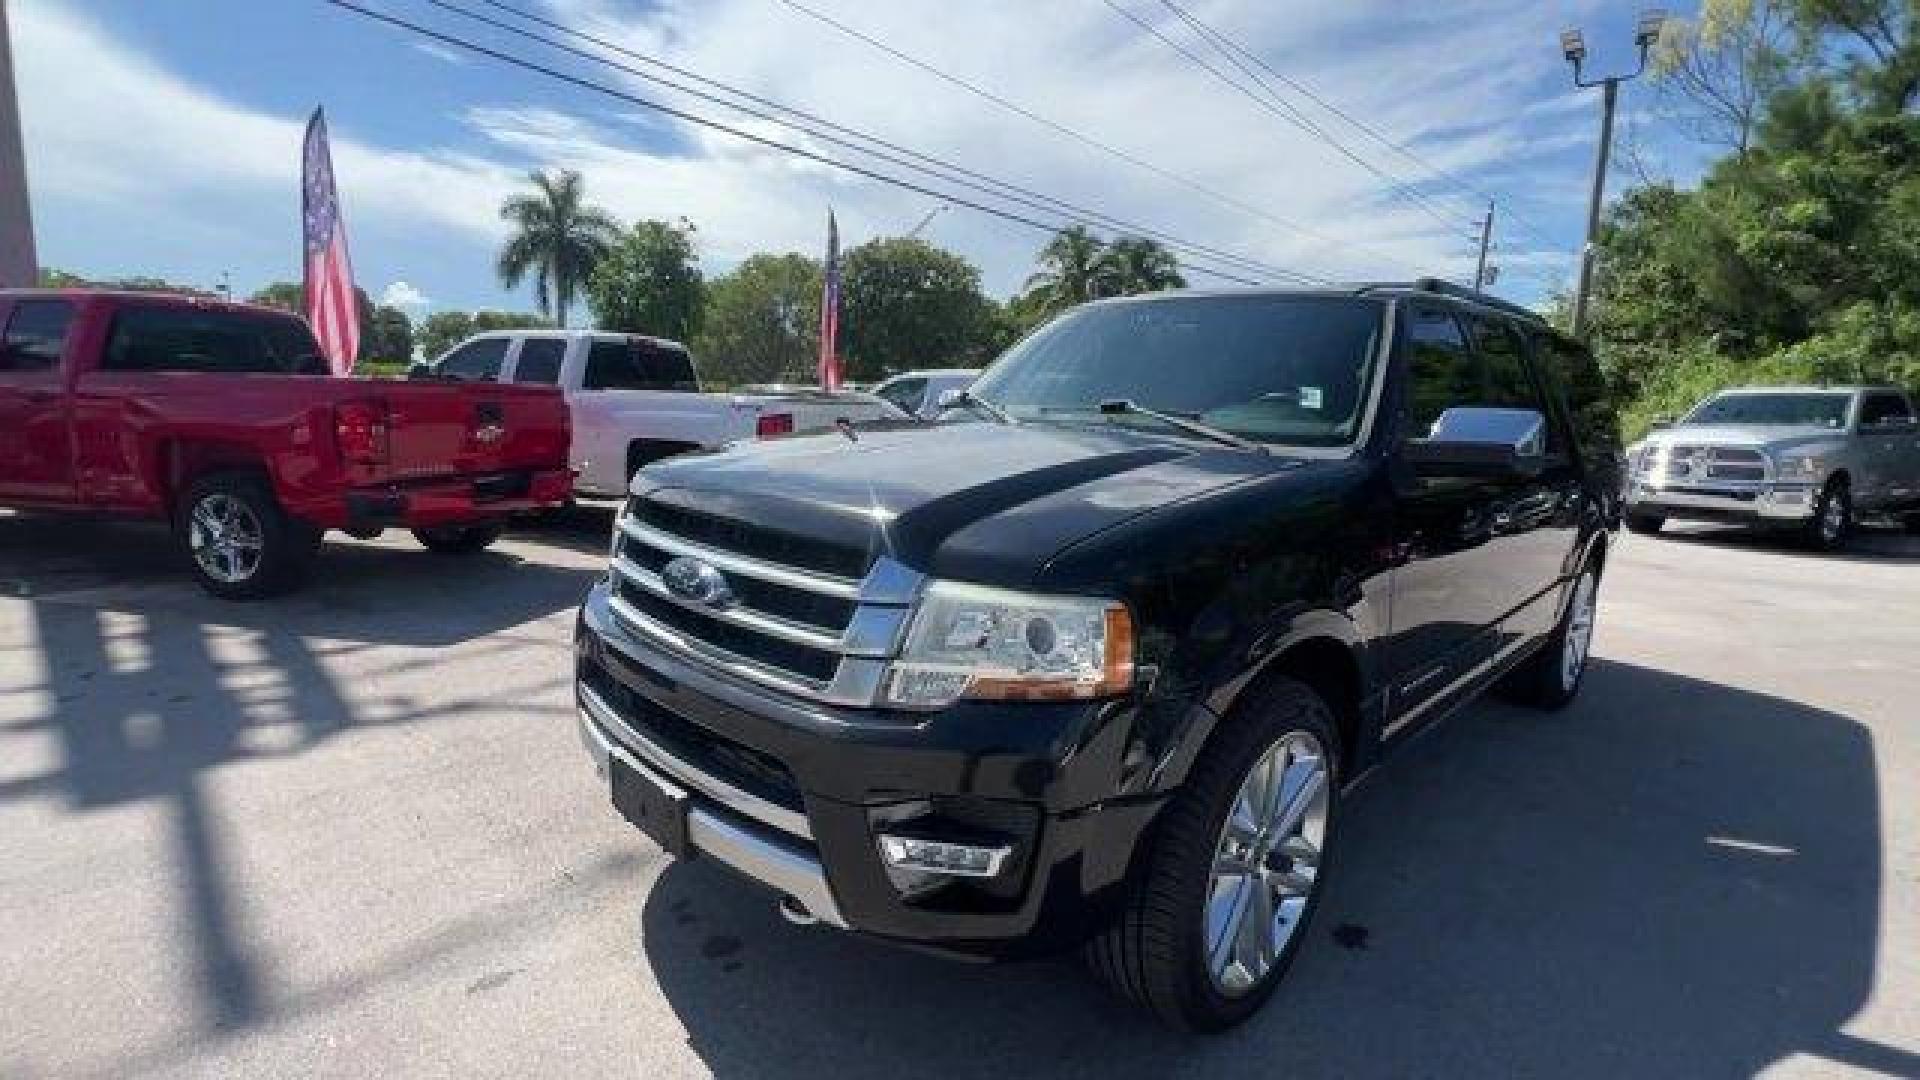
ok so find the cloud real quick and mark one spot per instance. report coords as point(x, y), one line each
point(1468, 85)
point(402, 295)
point(442, 53)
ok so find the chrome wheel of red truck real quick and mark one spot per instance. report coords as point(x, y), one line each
point(238, 541)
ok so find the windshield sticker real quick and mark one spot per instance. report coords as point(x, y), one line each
point(1310, 397)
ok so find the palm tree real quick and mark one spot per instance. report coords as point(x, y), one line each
point(1072, 269)
point(1135, 264)
point(556, 239)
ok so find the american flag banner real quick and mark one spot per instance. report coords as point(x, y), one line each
point(331, 307)
point(830, 311)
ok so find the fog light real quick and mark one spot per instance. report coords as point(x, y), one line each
point(933, 856)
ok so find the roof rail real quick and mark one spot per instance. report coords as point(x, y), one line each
point(1442, 287)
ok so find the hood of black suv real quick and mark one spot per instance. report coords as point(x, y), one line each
point(976, 501)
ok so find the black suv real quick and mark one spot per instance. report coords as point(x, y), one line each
point(1091, 659)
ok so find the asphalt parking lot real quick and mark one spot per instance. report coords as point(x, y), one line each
point(352, 833)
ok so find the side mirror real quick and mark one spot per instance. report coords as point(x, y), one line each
point(1481, 442)
point(419, 371)
point(1662, 422)
point(946, 399)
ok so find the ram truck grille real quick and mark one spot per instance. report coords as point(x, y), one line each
point(1703, 464)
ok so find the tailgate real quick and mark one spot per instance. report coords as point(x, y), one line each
point(463, 429)
point(812, 414)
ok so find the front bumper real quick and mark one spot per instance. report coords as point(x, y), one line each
point(1750, 504)
point(794, 794)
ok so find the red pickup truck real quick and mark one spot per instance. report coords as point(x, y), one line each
point(221, 419)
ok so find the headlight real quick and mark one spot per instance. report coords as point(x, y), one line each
point(975, 642)
point(1802, 467)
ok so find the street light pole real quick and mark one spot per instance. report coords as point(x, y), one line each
point(19, 266)
point(1574, 46)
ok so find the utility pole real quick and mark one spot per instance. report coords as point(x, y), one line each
point(1574, 46)
point(19, 266)
point(928, 220)
point(1480, 280)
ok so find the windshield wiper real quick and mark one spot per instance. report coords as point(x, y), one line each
point(967, 399)
point(1123, 406)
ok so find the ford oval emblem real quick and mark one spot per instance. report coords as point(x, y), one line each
point(696, 582)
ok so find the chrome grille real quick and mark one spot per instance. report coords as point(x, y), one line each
point(801, 628)
point(1739, 464)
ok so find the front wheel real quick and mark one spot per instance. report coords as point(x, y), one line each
point(1551, 676)
point(1236, 868)
point(238, 541)
point(457, 539)
point(1832, 522)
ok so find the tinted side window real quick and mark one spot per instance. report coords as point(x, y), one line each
point(906, 393)
point(217, 341)
point(477, 361)
point(36, 335)
point(1506, 385)
point(638, 365)
point(1572, 375)
point(540, 361)
point(1879, 408)
point(1442, 371)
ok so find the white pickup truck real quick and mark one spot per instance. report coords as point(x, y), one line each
point(635, 399)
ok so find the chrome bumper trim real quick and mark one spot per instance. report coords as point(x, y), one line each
point(1764, 506)
point(742, 802)
point(772, 860)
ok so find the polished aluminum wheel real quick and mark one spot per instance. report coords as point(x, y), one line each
point(1833, 517)
point(1266, 862)
point(226, 538)
point(1579, 638)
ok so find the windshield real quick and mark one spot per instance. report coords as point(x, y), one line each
point(1775, 410)
point(1282, 369)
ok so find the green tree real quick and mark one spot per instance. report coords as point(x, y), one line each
point(763, 321)
point(1722, 67)
point(907, 304)
point(1073, 270)
point(649, 282)
point(391, 336)
point(1136, 264)
point(285, 295)
point(442, 330)
point(557, 240)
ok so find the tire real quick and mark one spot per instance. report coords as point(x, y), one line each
point(1156, 952)
point(1831, 525)
point(1645, 524)
point(237, 540)
point(1551, 677)
point(457, 539)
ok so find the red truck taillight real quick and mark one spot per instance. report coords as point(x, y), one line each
point(360, 427)
point(772, 425)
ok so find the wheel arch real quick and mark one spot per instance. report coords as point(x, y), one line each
point(1322, 649)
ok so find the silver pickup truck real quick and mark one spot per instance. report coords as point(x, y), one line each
point(1812, 459)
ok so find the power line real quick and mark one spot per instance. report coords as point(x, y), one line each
point(892, 153)
point(692, 118)
point(1075, 134)
point(1287, 112)
point(1362, 126)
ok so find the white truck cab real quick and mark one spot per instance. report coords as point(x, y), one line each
point(635, 399)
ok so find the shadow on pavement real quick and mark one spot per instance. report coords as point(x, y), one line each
point(1672, 878)
point(1867, 545)
point(359, 592)
point(150, 684)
